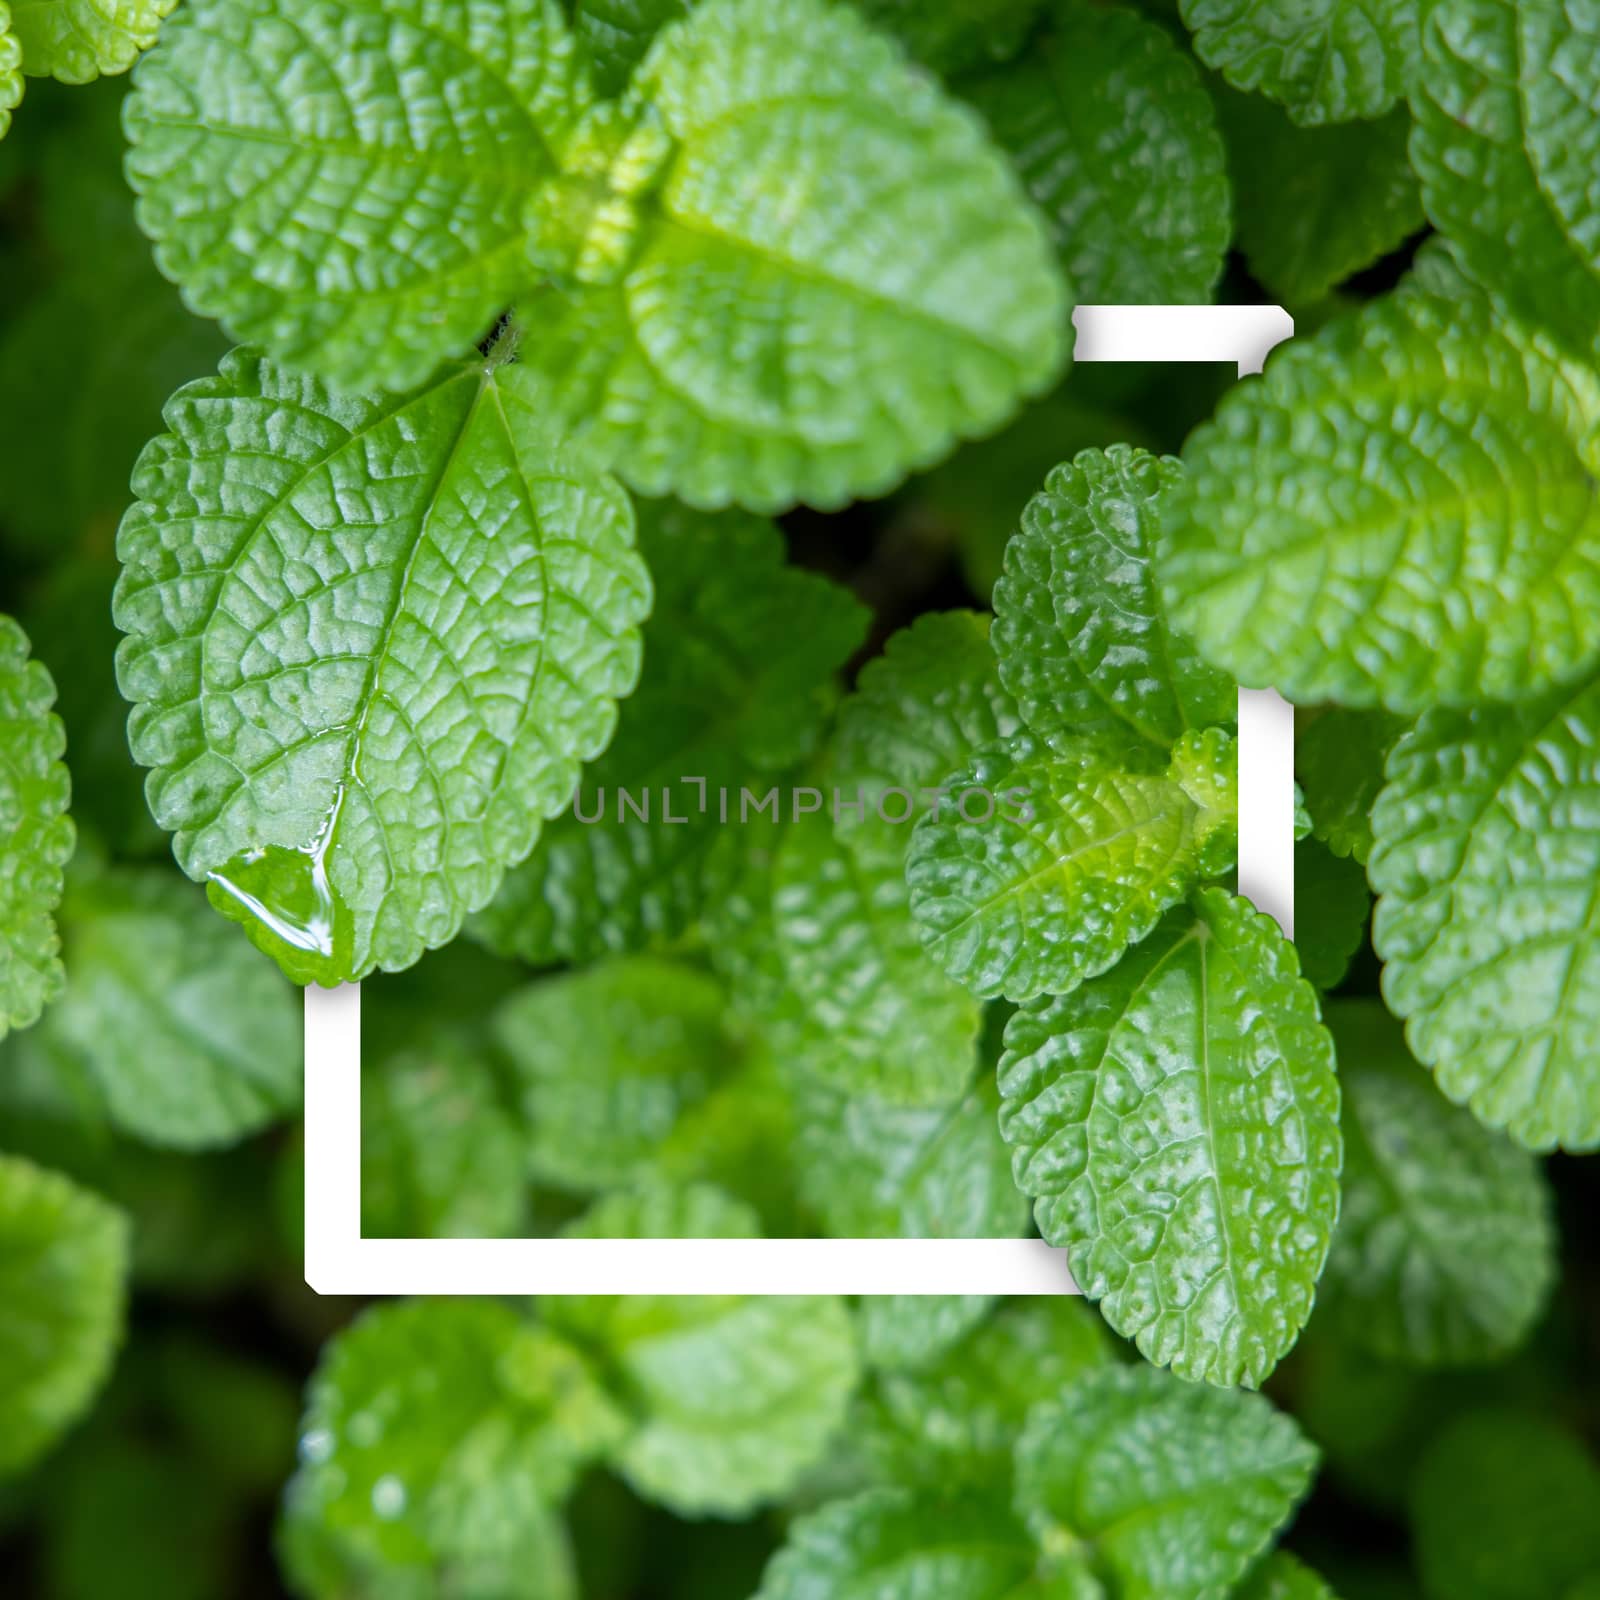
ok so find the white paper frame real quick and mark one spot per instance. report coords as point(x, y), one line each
point(339, 1261)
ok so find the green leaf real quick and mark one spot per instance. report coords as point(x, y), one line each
point(169, 1029)
point(441, 1158)
point(1506, 143)
point(1069, 857)
point(956, 36)
point(1401, 512)
point(1335, 891)
point(370, 643)
point(1083, 640)
point(63, 1259)
point(1177, 1125)
point(1179, 1488)
point(439, 1434)
point(1116, 140)
point(11, 81)
point(619, 33)
point(1315, 205)
point(1281, 1577)
point(1322, 60)
point(1339, 757)
point(741, 652)
point(346, 187)
point(731, 1398)
point(1446, 1251)
point(36, 837)
point(733, 344)
point(77, 40)
point(1504, 1506)
point(910, 1332)
point(1488, 922)
point(608, 1062)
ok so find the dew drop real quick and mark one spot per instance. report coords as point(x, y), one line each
point(389, 1497)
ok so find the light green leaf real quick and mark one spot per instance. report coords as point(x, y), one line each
point(1334, 891)
point(732, 1398)
point(36, 837)
point(441, 1157)
point(438, 1435)
point(1322, 60)
point(63, 1259)
point(1485, 865)
point(956, 36)
point(740, 653)
point(827, 224)
point(1445, 1251)
point(619, 33)
point(77, 40)
point(1281, 1577)
point(1117, 141)
point(371, 641)
point(1505, 1506)
point(1178, 1487)
point(1069, 857)
point(1339, 757)
point(1315, 205)
point(871, 1170)
point(1402, 512)
point(1177, 1125)
point(608, 1062)
point(169, 1029)
point(910, 1332)
point(346, 187)
point(11, 83)
point(1080, 631)
point(1507, 137)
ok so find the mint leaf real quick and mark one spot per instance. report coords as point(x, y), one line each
point(910, 1332)
point(608, 1062)
point(1086, 846)
point(957, 35)
point(1315, 205)
point(346, 188)
point(728, 345)
point(618, 34)
point(77, 40)
point(741, 651)
point(1505, 1505)
point(1080, 631)
point(1281, 1577)
point(11, 81)
point(731, 1398)
point(1505, 143)
point(1116, 140)
point(1336, 890)
point(1401, 512)
point(36, 837)
point(1339, 756)
point(1178, 1488)
point(1487, 921)
point(1322, 60)
point(1176, 1122)
point(1445, 1251)
point(441, 1158)
point(169, 1029)
point(63, 1259)
point(439, 1434)
point(370, 643)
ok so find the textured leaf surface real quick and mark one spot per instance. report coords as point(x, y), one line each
point(1281, 1577)
point(1177, 1125)
point(1507, 139)
point(438, 1433)
point(608, 1062)
point(910, 1332)
point(1486, 867)
point(1178, 1487)
point(36, 837)
point(1314, 205)
point(63, 1258)
point(76, 40)
point(731, 1398)
point(1335, 892)
point(1322, 60)
point(1445, 1252)
point(370, 643)
point(169, 1029)
point(1116, 140)
point(11, 84)
point(1080, 631)
point(1504, 1506)
point(756, 348)
point(740, 653)
point(1086, 847)
point(1339, 759)
point(619, 33)
point(1401, 512)
point(345, 186)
